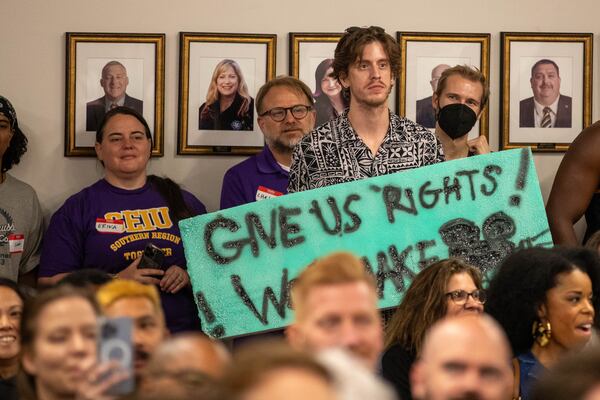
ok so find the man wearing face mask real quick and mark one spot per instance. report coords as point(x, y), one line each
point(458, 101)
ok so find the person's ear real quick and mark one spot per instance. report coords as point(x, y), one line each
point(98, 148)
point(27, 362)
point(542, 312)
point(435, 103)
point(261, 122)
point(343, 78)
point(294, 336)
point(417, 380)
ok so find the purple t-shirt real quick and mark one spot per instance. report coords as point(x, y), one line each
point(107, 228)
point(256, 178)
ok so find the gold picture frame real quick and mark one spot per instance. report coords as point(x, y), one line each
point(142, 55)
point(221, 132)
point(568, 93)
point(420, 53)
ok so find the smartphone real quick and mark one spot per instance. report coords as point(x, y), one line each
point(114, 344)
point(153, 257)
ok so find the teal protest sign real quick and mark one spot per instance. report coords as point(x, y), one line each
point(242, 260)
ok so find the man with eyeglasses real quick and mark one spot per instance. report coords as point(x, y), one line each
point(285, 114)
point(368, 139)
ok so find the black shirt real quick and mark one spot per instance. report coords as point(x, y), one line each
point(395, 368)
point(228, 120)
point(8, 389)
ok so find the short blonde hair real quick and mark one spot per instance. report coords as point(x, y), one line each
point(121, 288)
point(334, 269)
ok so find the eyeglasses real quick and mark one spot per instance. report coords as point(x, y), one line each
point(461, 296)
point(278, 114)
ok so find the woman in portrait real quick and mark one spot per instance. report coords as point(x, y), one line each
point(228, 105)
point(108, 225)
point(545, 299)
point(329, 100)
point(447, 287)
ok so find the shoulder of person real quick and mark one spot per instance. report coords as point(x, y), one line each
point(588, 139)
point(19, 185)
point(242, 168)
point(77, 202)
point(412, 127)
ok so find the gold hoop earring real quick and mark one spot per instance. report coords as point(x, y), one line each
point(541, 332)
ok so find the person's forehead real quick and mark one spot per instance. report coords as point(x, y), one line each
point(67, 311)
point(4, 118)
point(341, 296)
point(132, 306)
point(462, 344)
point(120, 121)
point(456, 82)
point(115, 70)
point(227, 69)
point(374, 49)
point(279, 96)
point(9, 297)
point(545, 68)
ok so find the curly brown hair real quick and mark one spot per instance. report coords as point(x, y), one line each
point(425, 303)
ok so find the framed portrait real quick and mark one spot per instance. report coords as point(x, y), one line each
point(424, 56)
point(219, 76)
point(106, 70)
point(311, 59)
point(546, 89)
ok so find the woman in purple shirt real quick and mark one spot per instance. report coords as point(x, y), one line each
point(108, 225)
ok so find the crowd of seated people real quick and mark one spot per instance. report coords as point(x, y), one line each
point(92, 311)
point(539, 313)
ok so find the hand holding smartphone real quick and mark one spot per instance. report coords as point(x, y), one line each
point(153, 257)
point(115, 346)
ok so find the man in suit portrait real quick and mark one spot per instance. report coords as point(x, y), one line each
point(547, 108)
point(114, 81)
point(425, 113)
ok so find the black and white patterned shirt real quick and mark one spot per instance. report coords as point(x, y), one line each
point(333, 153)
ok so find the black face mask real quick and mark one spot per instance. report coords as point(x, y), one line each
point(456, 119)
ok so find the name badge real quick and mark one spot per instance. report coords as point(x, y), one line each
point(265, 193)
point(16, 243)
point(114, 226)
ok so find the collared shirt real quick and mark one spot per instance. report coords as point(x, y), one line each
point(334, 153)
point(257, 178)
point(108, 104)
point(539, 113)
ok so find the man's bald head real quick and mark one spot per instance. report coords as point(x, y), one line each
point(186, 363)
point(436, 73)
point(464, 357)
point(191, 352)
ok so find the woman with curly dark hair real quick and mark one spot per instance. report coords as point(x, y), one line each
point(545, 301)
point(20, 213)
point(447, 287)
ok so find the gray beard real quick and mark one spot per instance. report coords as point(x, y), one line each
point(279, 146)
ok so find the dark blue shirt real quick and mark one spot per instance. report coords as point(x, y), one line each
point(256, 178)
point(530, 371)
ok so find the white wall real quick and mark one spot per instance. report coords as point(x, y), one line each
point(32, 63)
